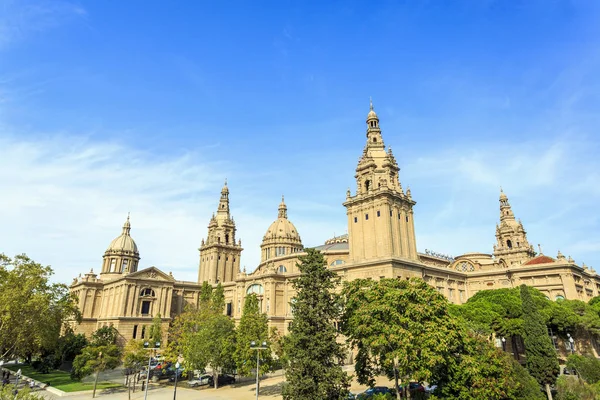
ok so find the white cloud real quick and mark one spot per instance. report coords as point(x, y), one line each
point(552, 186)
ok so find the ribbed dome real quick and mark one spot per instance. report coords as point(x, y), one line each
point(282, 229)
point(124, 243)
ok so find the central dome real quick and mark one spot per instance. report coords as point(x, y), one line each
point(282, 228)
point(281, 238)
point(123, 243)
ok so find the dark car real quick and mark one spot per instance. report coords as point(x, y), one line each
point(414, 387)
point(223, 380)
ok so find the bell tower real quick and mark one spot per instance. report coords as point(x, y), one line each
point(511, 239)
point(380, 214)
point(220, 253)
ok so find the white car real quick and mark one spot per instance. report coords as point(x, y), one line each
point(201, 380)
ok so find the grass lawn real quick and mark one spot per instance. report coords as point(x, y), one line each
point(60, 379)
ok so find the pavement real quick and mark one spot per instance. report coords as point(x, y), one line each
point(244, 389)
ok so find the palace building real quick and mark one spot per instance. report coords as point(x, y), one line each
point(380, 243)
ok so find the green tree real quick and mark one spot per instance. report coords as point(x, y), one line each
point(253, 327)
point(32, 310)
point(205, 336)
point(6, 393)
point(480, 371)
point(104, 336)
point(570, 388)
point(542, 363)
point(587, 367)
point(70, 345)
point(315, 356)
point(95, 359)
point(400, 327)
point(155, 332)
point(134, 358)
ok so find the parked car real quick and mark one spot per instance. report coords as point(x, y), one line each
point(414, 387)
point(202, 380)
point(223, 380)
point(430, 389)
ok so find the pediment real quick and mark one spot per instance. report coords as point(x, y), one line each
point(151, 273)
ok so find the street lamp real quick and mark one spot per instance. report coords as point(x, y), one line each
point(503, 343)
point(147, 346)
point(17, 383)
point(255, 346)
point(176, 373)
point(571, 343)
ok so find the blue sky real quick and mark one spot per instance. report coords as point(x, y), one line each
point(147, 106)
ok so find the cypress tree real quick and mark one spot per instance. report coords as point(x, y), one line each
point(315, 356)
point(253, 327)
point(541, 356)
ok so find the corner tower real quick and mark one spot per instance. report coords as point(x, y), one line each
point(511, 239)
point(380, 214)
point(220, 253)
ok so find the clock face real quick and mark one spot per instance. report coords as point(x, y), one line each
point(465, 267)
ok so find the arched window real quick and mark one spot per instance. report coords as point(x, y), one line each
point(226, 238)
point(559, 297)
point(147, 292)
point(509, 244)
point(367, 184)
point(255, 288)
point(282, 269)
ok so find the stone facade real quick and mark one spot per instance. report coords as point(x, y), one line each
point(380, 243)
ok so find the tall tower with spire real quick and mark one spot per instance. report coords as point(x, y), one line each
point(380, 214)
point(220, 253)
point(511, 239)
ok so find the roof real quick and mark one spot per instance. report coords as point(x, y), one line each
point(541, 259)
point(333, 246)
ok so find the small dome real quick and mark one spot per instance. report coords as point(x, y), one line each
point(124, 243)
point(372, 114)
point(503, 195)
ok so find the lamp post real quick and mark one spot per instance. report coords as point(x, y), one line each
point(255, 346)
point(147, 346)
point(176, 373)
point(503, 343)
point(571, 343)
point(17, 383)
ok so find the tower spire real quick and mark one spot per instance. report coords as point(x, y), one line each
point(127, 226)
point(282, 209)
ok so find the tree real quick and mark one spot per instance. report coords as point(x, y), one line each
point(480, 371)
point(400, 327)
point(134, 357)
point(541, 356)
point(32, 310)
point(7, 393)
point(155, 332)
point(205, 336)
point(105, 336)
point(70, 345)
point(253, 327)
point(95, 359)
point(315, 356)
point(587, 367)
